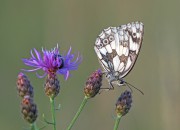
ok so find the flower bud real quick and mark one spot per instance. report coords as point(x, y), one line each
point(29, 109)
point(123, 103)
point(52, 86)
point(93, 84)
point(23, 86)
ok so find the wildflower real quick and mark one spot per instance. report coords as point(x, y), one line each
point(52, 86)
point(51, 62)
point(23, 86)
point(93, 84)
point(123, 103)
point(29, 109)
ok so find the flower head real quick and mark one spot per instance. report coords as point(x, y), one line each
point(123, 103)
point(93, 84)
point(29, 109)
point(23, 86)
point(51, 62)
point(52, 86)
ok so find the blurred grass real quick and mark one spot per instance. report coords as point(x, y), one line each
point(27, 24)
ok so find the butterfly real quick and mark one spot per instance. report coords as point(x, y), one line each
point(117, 49)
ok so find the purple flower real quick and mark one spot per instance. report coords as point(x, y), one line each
point(51, 62)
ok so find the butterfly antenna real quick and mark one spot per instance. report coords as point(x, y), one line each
point(130, 85)
point(129, 88)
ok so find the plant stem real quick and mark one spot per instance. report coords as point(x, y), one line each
point(118, 118)
point(53, 112)
point(78, 113)
point(33, 126)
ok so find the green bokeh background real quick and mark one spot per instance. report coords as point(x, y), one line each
point(27, 24)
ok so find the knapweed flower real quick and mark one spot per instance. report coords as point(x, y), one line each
point(52, 86)
point(29, 109)
point(51, 62)
point(93, 84)
point(123, 103)
point(23, 86)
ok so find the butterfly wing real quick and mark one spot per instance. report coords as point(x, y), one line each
point(105, 47)
point(117, 48)
point(130, 39)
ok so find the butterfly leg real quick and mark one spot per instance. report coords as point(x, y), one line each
point(111, 86)
point(104, 73)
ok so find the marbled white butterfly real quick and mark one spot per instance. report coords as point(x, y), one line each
point(117, 49)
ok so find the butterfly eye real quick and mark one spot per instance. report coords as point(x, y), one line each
point(111, 38)
point(105, 41)
point(122, 82)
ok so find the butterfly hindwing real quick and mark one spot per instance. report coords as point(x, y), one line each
point(105, 47)
point(117, 48)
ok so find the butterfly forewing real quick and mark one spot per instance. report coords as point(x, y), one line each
point(117, 48)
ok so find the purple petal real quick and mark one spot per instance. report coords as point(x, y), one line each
point(30, 70)
point(32, 55)
point(46, 61)
point(67, 75)
point(41, 76)
point(69, 51)
point(37, 54)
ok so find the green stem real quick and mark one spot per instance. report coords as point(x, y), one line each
point(78, 113)
point(53, 112)
point(118, 118)
point(33, 126)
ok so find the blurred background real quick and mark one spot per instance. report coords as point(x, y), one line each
point(27, 24)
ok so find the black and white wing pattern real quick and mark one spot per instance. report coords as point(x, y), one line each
point(117, 48)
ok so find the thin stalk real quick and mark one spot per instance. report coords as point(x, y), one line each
point(33, 126)
point(53, 112)
point(118, 118)
point(78, 113)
